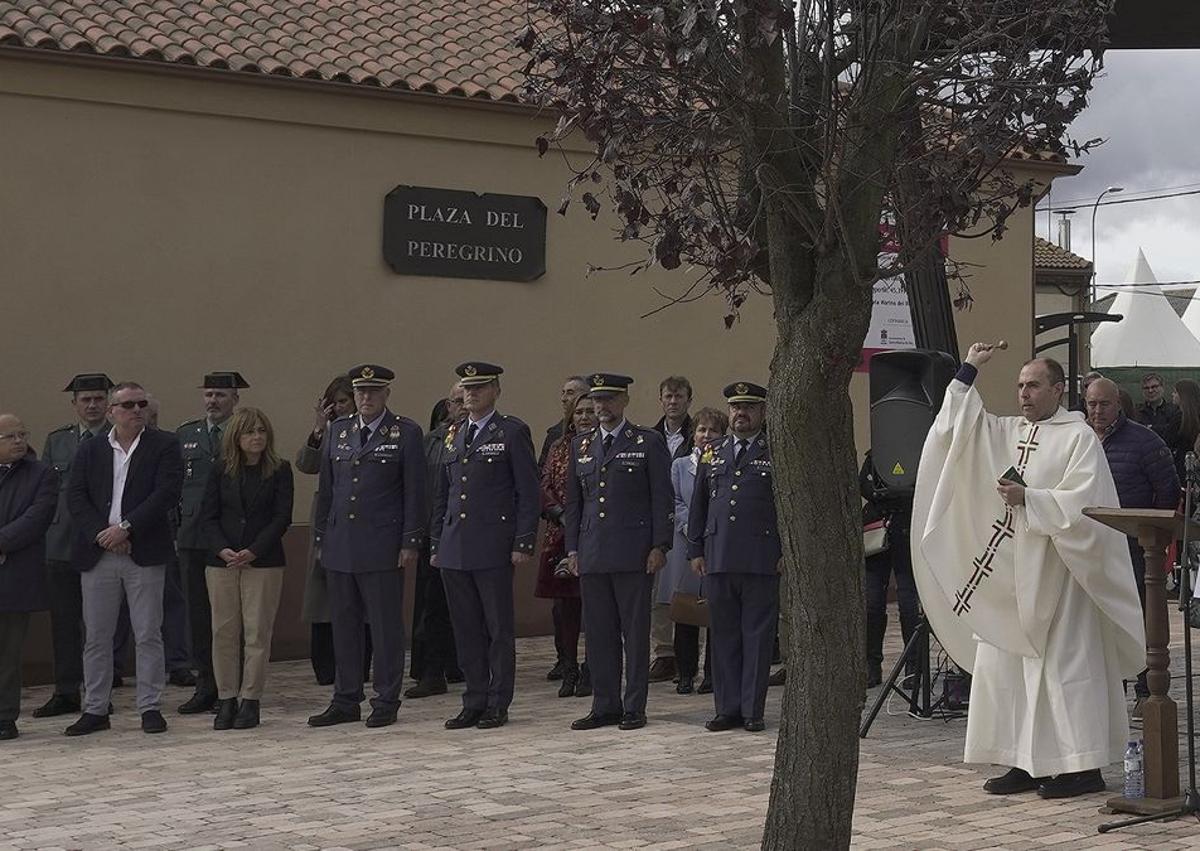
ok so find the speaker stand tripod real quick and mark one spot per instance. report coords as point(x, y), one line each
point(920, 698)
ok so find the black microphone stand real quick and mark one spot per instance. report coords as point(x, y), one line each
point(1191, 799)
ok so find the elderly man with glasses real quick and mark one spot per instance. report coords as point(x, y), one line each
point(121, 492)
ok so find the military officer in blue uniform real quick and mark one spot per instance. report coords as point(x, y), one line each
point(618, 528)
point(89, 399)
point(370, 519)
point(200, 441)
point(487, 505)
point(733, 542)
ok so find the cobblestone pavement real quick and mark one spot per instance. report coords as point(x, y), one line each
point(531, 784)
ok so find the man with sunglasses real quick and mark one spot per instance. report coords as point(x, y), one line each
point(121, 492)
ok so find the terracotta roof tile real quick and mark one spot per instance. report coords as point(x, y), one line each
point(1047, 255)
point(449, 47)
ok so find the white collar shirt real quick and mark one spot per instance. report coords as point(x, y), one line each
point(121, 460)
point(481, 424)
point(606, 433)
point(373, 425)
point(675, 438)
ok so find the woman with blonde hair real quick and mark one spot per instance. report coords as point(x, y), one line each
point(247, 509)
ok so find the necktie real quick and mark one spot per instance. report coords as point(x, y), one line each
point(215, 437)
point(472, 430)
point(87, 433)
point(364, 434)
point(607, 443)
point(741, 450)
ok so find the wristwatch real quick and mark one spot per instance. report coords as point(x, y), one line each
point(125, 525)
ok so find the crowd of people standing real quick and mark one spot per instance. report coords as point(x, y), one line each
point(174, 542)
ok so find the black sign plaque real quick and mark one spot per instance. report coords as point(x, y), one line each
point(449, 233)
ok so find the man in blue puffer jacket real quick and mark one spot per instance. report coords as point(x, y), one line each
point(1143, 469)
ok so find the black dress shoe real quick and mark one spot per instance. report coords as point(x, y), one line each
point(153, 722)
point(874, 674)
point(584, 687)
point(380, 717)
point(754, 725)
point(325, 680)
point(592, 721)
point(464, 719)
point(201, 701)
point(88, 723)
point(182, 677)
point(632, 721)
point(1073, 784)
point(687, 685)
point(247, 715)
point(226, 712)
point(336, 715)
point(662, 669)
point(778, 678)
point(58, 704)
point(705, 686)
point(556, 673)
point(8, 730)
point(427, 688)
point(721, 723)
point(492, 719)
point(455, 677)
point(1013, 782)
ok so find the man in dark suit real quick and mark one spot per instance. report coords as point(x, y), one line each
point(488, 501)
point(370, 517)
point(28, 492)
point(677, 429)
point(121, 493)
point(733, 542)
point(200, 441)
point(89, 401)
point(618, 529)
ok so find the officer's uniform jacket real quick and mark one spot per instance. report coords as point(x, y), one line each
point(732, 521)
point(370, 499)
point(200, 455)
point(619, 505)
point(59, 453)
point(488, 498)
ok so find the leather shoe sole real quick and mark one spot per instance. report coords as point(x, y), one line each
point(754, 725)
point(594, 722)
point(632, 721)
point(721, 723)
point(333, 716)
point(1012, 783)
point(380, 718)
point(1072, 785)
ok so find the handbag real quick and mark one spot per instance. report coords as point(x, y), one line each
point(690, 609)
point(875, 539)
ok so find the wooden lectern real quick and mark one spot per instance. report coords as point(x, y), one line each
point(1154, 529)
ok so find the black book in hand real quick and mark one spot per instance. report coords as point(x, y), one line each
point(1011, 475)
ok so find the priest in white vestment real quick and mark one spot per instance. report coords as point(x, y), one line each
point(1036, 600)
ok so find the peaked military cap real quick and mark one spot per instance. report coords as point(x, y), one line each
point(89, 381)
point(603, 383)
point(745, 391)
point(371, 375)
point(224, 381)
point(476, 372)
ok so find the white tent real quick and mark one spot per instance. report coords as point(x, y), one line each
point(1191, 316)
point(1151, 334)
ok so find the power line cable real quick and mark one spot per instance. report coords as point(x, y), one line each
point(1074, 208)
point(1074, 202)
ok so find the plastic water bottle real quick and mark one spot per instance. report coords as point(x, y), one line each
point(1134, 777)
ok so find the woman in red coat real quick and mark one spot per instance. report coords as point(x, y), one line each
point(553, 581)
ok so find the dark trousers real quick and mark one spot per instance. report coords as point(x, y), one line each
point(743, 608)
point(199, 615)
point(897, 559)
point(13, 626)
point(320, 651)
point(568, 622)
point(354, 599)
point(433, 646)
point(1138, 557)
point(616, 617)
point(481, 609)
point(66, 627)
point(174, 626)
point(687, 651)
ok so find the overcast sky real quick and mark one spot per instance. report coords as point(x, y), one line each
point(1144, 107)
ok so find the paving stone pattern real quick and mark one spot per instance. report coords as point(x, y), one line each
point(532, 784)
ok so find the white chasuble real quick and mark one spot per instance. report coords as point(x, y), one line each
point(1037, 601)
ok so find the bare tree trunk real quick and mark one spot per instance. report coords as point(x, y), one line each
point(811, 425)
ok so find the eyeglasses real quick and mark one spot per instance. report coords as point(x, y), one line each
point(130, 405)
point(14, 435)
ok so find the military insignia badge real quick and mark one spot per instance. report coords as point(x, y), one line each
point(342, 436)
point(706, 456)
point(394, 432)
point(597, 380)
point(742, 389)
point(367, 373)
point(641, 439)
point(470, 370)
point(629, 432)
point(451, 433)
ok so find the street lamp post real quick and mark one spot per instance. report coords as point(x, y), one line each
point(1096, 207)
